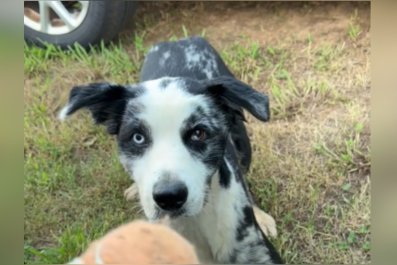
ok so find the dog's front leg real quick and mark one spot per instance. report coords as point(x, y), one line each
point(131, 193)
point(265, 221)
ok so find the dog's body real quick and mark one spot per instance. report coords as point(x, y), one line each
point(181, 137)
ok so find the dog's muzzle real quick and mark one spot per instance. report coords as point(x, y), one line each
point(170, 195)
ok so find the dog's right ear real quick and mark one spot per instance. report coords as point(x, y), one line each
point(238, 93)
point(105, 101)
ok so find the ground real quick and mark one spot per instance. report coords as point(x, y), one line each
point(311, 162)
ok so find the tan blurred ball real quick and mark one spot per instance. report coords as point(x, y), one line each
point(139, 242)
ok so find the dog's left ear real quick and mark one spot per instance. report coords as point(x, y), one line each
point(238, 93)
point(105, 101)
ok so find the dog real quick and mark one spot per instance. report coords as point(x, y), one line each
point(265, 221)
point(181, 137)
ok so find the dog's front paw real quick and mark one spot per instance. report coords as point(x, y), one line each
point(265, 222)
point(131, 193)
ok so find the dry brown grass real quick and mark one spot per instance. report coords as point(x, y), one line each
point(311, 162)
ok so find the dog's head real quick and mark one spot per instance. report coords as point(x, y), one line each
point(171, 133)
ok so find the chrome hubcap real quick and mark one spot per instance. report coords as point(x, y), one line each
point(54, 17)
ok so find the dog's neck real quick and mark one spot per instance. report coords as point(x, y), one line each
point(226, 231)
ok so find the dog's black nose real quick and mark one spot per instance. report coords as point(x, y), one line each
point(170, 195)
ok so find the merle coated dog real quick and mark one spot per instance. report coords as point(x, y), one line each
point(181, 137)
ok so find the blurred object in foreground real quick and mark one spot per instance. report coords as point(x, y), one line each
point(139, 242)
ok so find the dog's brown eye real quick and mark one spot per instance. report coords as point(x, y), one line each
point(199, 135)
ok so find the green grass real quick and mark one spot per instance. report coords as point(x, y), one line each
point(80, 174)
point(354, 29)
point(311, 162)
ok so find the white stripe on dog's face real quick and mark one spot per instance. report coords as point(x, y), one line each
point(164, 115)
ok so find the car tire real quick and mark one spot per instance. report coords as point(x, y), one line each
point(104, 20)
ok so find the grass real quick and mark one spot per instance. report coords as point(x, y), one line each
point(311, 162)
point(354, 29)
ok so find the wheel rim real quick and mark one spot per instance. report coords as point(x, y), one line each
point(54, 17)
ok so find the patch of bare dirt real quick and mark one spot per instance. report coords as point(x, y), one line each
point(266, 22)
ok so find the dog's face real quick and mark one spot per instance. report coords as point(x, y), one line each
point(171, 134)
point(171, 141)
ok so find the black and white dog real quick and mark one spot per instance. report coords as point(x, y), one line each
point(181, 137)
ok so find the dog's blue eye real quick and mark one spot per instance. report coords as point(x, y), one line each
point(198, 135)
point(138, 138)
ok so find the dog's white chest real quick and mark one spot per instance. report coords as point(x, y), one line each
point(192, 231)
point(213, 231)
point(211, 241)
